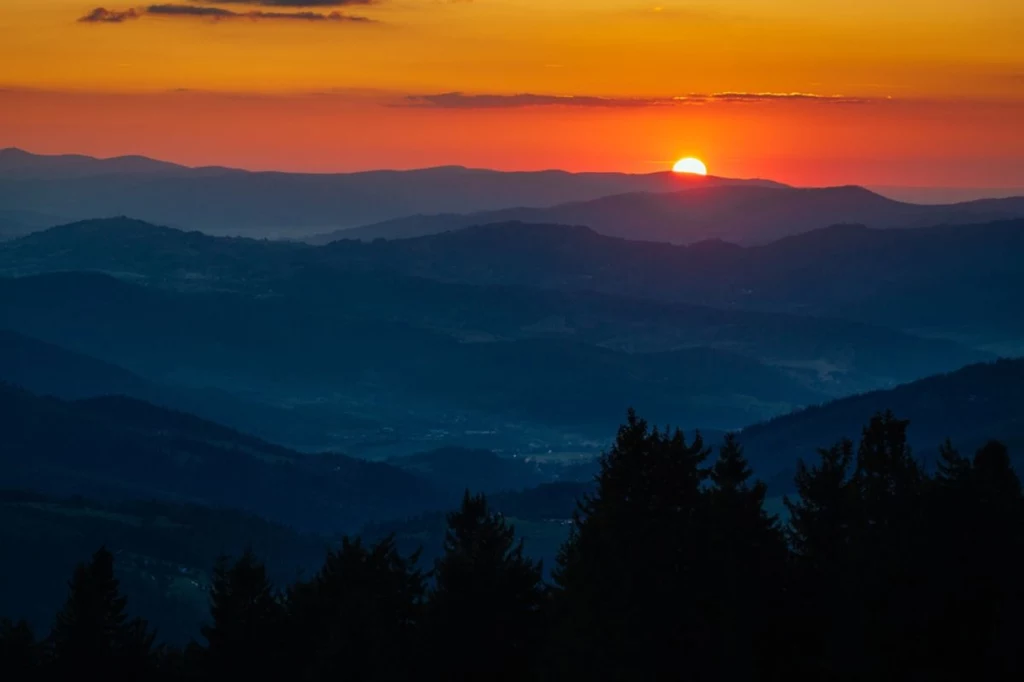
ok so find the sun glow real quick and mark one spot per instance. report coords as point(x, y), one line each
point(690, 165)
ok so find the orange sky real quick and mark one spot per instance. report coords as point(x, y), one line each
point(906, 93)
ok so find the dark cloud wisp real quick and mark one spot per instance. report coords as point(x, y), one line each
point(102, 15)
point(190, 11)
point(296, 3)
point(458, 100)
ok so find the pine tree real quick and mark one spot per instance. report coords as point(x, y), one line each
point(19, 652)
point(821, 517)
point(887, 476)
point(952, 468)
point(820, 532)
point(996, 544)
point(862, 539)
point(630, 601)
point(93, 633)
point(971, 561)
point(486, 606)
point(747, 552)
point(243, 640)
point(358, 618)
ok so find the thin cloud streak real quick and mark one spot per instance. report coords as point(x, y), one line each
point(296, 3)
point(784, 96)
point(459, 100)
point(102, 15)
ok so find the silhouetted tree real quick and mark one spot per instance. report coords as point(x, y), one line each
point(981, 561)
point(19, 652)
point(671, 571)
point(631, 603)
point(243, 640)
point(485, 611)
point(92, 632)
point(820, 532)
point(892, 542)
point(746, 588)
point(953, 470)
point(358, 618)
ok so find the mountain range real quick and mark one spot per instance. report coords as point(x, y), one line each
point(464, 334)
point(144, 355)
point(272, 360)
point(664, 206)
point(949, 280)
point(739, 214)
point(231, 201)
point(290, 350)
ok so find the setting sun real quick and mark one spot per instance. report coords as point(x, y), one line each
point(690, 165)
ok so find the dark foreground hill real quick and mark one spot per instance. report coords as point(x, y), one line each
point(48, 369)
point(117, 448)
point(165, 553)
point(969, 406)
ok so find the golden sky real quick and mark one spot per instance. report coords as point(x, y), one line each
point(875, 91)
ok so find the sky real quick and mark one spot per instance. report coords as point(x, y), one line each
point(876, 92)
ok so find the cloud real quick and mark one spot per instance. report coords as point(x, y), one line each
point(102, 15)
point(190, 11)
point(458, 100)
point(297, 3)
point(782, 97)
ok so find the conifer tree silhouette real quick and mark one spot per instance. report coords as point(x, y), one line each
point(93, 633)
point(244, 637)
point(485, 608)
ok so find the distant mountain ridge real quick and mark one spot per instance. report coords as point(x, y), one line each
point(236, 202)
point(747, 215)
point(18, 163)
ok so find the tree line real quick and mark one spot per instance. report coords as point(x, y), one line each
point(673, 570)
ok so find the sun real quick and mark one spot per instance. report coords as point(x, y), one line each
point(690, 165)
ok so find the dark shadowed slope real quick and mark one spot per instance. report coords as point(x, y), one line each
point(294, 347)
point(371, 282)
point(238, 202)
point(48, 369)
point(969, 406)
point(133, 249)
point(740, 214)
point(119, 448)
point(455, 470)
point(165, 554)
point(962, 279)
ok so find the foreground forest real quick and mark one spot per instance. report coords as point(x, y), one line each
point(673, 570)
